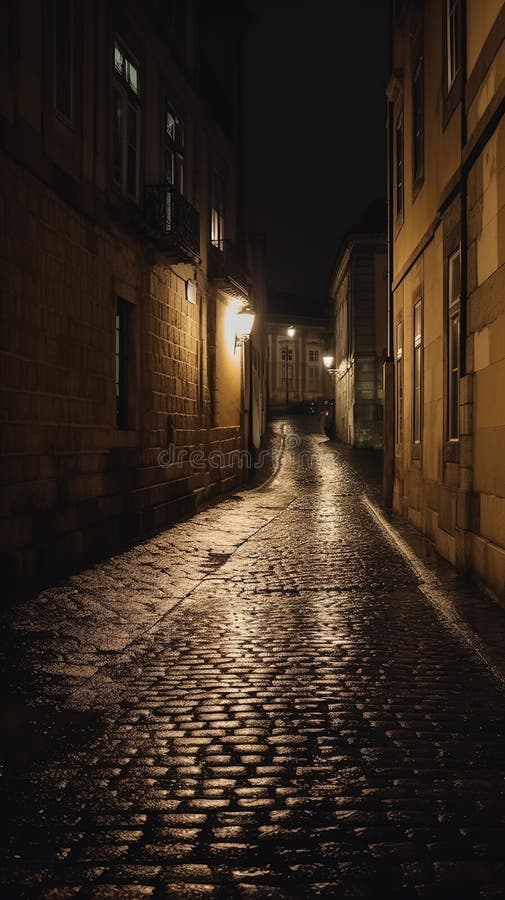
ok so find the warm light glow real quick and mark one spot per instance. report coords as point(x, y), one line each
point(291, 331)
point(232, 311)
point(245, 322)
point(328, 361)
point(239, 323)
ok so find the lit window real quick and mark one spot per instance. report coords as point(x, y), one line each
point(399, 165)
point(63, 60)
point(217, 213)
point(453, 48)
point(453, 344)
point(418, 372)
point(399, 383)
point(125, 123)
point(418, 120)
point(126, 67)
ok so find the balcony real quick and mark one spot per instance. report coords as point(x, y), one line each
point(171, 222)
point(227, 269)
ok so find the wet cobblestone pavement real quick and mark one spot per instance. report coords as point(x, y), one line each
point(258, 703)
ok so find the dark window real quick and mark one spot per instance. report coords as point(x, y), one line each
point(453, 344)
point(418, 121)
point(174, 149)
point(125, 122)
point(453, 33)
point(418, 373)
point(399, 165)
point(63, 57)
point(123, 361)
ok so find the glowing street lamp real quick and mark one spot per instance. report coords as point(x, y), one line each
point(291, 331)
point(244, 322)
point(328, 364)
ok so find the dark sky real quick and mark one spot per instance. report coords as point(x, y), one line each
point(315, 80)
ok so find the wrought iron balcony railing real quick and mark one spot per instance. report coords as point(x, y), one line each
point(228, 269)
point(171, 221)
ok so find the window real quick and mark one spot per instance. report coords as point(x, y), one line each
point(174, 149)
point(418, 372)
point(217, 214)
point(123, 361)
point(418, 121)
point(286, 364)
point(314, 378)
point(399, 165)
point(453, 344)
point(453, 36)
point(313, 355)
point(399, 383)
point(63, 60)
point(126, 123)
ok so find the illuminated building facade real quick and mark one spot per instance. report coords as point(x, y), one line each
point(447, 337)
point(358, 290)
point(297, 339)
point(123, 271)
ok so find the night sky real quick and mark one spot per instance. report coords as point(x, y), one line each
point(315, 81)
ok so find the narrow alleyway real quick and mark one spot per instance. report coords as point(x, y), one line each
point(259, 702)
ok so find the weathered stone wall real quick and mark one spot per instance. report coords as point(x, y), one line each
point(73, 485)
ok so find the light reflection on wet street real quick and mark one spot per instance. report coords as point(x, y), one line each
point(257, 703)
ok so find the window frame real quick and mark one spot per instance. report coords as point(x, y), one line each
point(418, 127)
point(217, 213)
point(399, 384)
point(399, 164)
point(453, 359)
point(417, 373)
point(452, 42)
point(174, 144)
point(129, 104)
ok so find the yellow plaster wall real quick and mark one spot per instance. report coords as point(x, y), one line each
point(228, 365)
point(442, 146)
point(481, 15)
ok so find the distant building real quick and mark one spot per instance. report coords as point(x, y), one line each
point(358, 290)
point(123, 267)
point(447, 201)
point(298, 335)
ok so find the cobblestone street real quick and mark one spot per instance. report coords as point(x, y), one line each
point(259, 702)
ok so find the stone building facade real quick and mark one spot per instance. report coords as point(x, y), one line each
point(298, 335)
point(358, 291)
point(447, 207)
point(122, 277)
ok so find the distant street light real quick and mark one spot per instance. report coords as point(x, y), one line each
point(291, 331)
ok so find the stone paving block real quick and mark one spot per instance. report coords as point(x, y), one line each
point(300, 724)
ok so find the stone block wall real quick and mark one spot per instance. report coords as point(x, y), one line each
point(73, 485)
